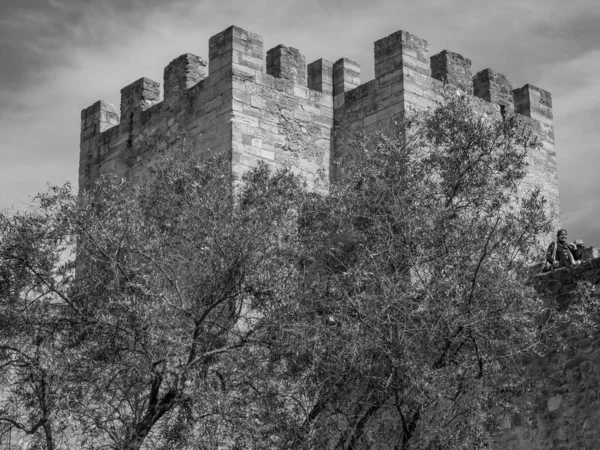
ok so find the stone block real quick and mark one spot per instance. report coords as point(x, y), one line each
point(228, 46)
point(320, 76)
point(181, 74)
point(534, 102)
point(135, 98)
point(554, 403)
point(346, 76)
point(493, 87)
point(287, 63)
point(401, 50)
point(452, 68)
point(98, 118)
point(303, 115)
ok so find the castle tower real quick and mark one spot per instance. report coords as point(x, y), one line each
point(288, 114)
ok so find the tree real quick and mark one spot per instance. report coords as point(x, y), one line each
point(31, 274)
point(193, 311)
point(154, 293)
point(416, 310)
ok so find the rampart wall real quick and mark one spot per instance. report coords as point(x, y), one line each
point(236, 109)
point(564, 387)
point(292, 115)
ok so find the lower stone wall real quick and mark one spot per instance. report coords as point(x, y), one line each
point(563, 387)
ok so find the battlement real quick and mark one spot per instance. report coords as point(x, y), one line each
point(282, 111)
point(403, 58)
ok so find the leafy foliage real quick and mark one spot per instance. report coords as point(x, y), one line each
point(158, 292)
point(197, 312)
point(422, 270)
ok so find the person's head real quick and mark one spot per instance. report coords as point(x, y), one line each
point(579, 242)
point(561, 235)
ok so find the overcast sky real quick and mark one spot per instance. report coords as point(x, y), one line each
point(60, 56)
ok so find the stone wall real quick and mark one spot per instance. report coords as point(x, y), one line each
point(288, 114)
point(407, 78)
point(564, 388)
point(292, 115)
point(237, 110)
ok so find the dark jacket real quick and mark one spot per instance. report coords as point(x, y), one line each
point(564, 254)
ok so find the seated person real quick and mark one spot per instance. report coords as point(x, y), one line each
point(560, 253)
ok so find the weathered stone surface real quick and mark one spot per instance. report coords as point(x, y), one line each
point(303, 118)
point(135, 98)
point(180, 75)
point(287, 63)
point(452, 68)
point(238, 97)
point(493, 87)
point(320, 76)
point(401, 51)
point(286, 115)
point(346, 76)
point(565, 387)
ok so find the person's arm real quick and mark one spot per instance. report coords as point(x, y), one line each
point(550, 254)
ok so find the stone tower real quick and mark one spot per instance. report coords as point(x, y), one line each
point(287, 115)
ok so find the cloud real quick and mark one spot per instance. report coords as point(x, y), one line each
point(575, 86)
point(60, 56)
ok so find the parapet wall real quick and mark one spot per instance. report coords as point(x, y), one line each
point(407, 78)
point(564, 388)
point(235, 109)
point(292, 115)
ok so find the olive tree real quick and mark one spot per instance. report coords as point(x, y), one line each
point(198, 311)
point(123, 302)
point(416, 309)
